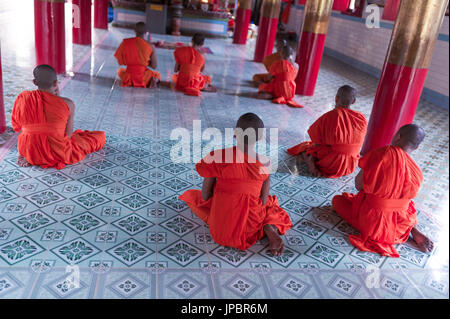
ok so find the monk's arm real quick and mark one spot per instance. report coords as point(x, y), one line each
point(153, 63)
point(69, 125)
point(177, 67)
point(265, 191)
point(359, 181)
point(208, 187)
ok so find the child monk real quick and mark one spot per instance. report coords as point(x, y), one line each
point(383, 211)
point(189, 63)
point(234, 200)
point(46, 120)
point(137, 54)
point(336, 138)
point(281, 86)
point(258, 79)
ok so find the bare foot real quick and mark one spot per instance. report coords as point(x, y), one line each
point(276, 245)
point(423, 242)
point(22, 162)
point(301, 157)
point(309, 159)
point(210, 88)
point(153, 83)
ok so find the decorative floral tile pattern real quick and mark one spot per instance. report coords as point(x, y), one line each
point(123, 199)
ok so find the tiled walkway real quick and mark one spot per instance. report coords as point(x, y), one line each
point(116, 214)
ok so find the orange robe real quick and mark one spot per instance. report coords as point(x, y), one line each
point(43, 117)
point(336, 140)
point(190, 80)
point(268, 61)
point(235, 213)
point(383, 211)
point(135, 53)
point(282, 86)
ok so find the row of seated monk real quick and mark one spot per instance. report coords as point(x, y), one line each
point(234, 200)
point(138, 54)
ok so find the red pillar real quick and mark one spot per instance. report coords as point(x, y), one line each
point(49, 34)
point(405, 69)
point(316, 16)
point(390, 10)
point(101, 14)
point(2, 106)
point(243, 15)
point(267, 29)
point(81, 27)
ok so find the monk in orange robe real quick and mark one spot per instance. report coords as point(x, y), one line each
point(383, 211)
point(137, 54)
point(46, 120)
point(261, 78)
point(336, 139)
point(189, 63)
point(281, 87)
point(234, 200)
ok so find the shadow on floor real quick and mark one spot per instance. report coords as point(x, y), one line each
point(99, 80)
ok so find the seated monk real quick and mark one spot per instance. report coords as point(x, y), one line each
point(189, 63)
point(336, 139)
point(281, 87)
point(258, 79)
point(234, 200)
point(46, 120)
point(137, 54)
point(383, 211)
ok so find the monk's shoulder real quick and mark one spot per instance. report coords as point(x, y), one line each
point(68, 102)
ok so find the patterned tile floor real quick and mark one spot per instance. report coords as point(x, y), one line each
point(117, 218)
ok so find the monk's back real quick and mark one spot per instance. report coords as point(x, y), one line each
point(134, 51)
point(283, 70)
point(349, 127)
point(189, 55)
point(389, 172)
point(38, 107)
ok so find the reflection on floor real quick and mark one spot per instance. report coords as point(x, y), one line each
point(116, 214)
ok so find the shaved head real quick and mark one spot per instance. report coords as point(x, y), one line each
point(286, 52)
point(45, 76)
point(250, 121)
point(346, 95)
point(140, 29)
point(280, 44)
point(411, 135)
point(198, 39)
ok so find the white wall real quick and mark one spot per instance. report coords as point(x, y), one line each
point(348, 40)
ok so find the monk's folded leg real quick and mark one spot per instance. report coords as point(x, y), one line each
point(261, 78)
point(124, 76)
point(151, 78)
point(201, 208)
point(89, 141)
point(343, 206)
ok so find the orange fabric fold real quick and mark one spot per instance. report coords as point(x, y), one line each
point(135, 53)
point(383, 212)
point(43, 117)
point(336, 140)
point(268, 61)
point(235, 213)
point(189, 79)
point(282, 86)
